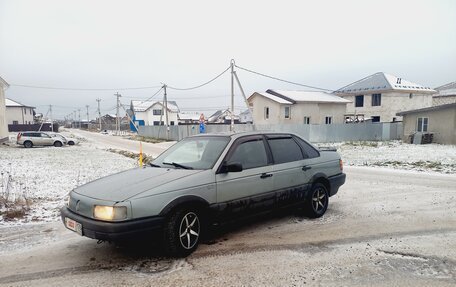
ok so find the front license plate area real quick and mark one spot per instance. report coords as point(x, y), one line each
point(73, 225)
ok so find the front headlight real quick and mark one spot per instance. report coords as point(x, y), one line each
point(109, 212)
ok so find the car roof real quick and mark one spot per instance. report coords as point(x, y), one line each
point(236, 135)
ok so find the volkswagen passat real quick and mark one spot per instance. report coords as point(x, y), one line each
point(205, 179)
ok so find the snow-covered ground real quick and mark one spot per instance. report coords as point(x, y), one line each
point(399, 155)
point(46, 175)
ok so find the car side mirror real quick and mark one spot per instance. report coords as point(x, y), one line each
point(231, 167)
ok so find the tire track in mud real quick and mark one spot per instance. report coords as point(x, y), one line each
point(145, 267)
point(317, 246)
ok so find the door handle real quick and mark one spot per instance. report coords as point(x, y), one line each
point(306, 167)
point(265, 175)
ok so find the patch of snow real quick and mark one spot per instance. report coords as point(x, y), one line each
point(46, 175)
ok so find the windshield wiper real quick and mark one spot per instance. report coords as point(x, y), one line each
point(154, 165)
point(178, 165)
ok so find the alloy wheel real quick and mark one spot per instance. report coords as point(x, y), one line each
point(189, 230)
point(319, 200)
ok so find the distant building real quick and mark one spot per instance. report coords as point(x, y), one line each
point(222, 117)
point(3, 122)
point(189, 118)
point(446, 94)
point(438, 120)
point(19, 114)
point(381, 96)
point(246, 117)
point(151, 113)
point(297, 107)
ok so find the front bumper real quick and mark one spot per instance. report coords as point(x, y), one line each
point(335, 182)
point(114, 231)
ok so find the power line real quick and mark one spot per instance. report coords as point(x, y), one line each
point(282, 80)
point(83, 89)
point(203, 84)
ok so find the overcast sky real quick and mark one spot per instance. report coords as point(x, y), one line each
point(128, 44)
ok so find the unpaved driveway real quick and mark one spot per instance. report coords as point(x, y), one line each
point(116, 142)
point(384, 228)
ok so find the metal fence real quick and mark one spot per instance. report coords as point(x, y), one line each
point(313, 133)
point(32, 127)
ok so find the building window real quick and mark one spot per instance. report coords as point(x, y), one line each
point(376, 100)
point(25, 111)
point(157, 123)
point(328, 120)
point(266, 113)
point(157, 112)
point(287, 112)
point(172, 123)
point(359, 101)
point(422, 124)
point(375, 119)
point(15, 122)
point(307, 120)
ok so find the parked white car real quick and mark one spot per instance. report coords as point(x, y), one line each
point(68, 140)
point(30, 139)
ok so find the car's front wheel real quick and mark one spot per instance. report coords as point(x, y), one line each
point(71, 143)
point(182, 232)
point(318, 201)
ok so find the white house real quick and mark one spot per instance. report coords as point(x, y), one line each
point(297, 107)
point(3, 123)
point(151, 113)
point(446, 94)
point(381, 96)
point(17, 113)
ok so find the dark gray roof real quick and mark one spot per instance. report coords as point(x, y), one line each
point(434, 108)
point(448, 86)
point(382, 82)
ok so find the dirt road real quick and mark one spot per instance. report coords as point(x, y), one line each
point(115, 142)
point(384, 228)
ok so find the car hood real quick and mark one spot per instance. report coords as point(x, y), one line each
point(124, 185)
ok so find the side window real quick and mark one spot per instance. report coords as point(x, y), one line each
point(250, 154)
point(309, 151)
point(285, 150)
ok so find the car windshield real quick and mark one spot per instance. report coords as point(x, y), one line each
point(193, 153)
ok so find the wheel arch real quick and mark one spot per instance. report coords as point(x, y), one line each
point(184, 201)
point(323, 179)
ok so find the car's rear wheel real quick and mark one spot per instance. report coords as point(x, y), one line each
point(57, 144)
point(318, 201)
point(182, 232)
point(28, 144)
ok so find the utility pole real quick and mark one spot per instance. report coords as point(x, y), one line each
point(99, 113)
point(52, 124)
point(74, 119)
point(117, 114)
point(232, 96)
point(79, 118)
point(87, 107)
point(166, 113)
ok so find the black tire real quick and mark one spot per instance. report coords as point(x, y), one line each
point(318, 201)
point(58, 144)
point(28, 144)
point(182, 232)
point(71, 143)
